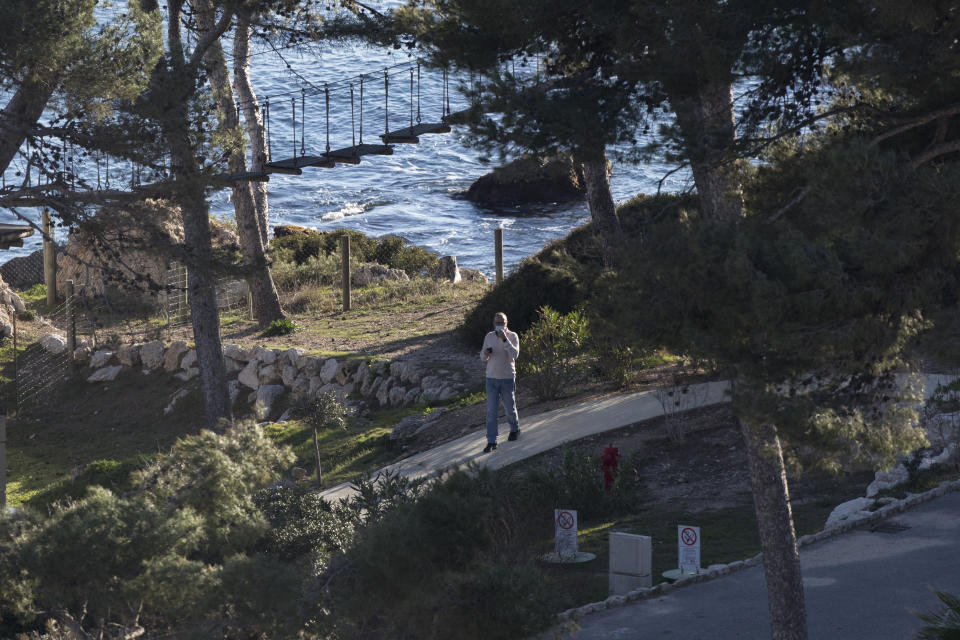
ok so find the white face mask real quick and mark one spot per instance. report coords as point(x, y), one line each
point(498, 328)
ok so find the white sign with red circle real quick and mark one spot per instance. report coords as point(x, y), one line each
point(688, 548)
point(565, 531)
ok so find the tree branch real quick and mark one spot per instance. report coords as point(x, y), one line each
point(919, 121)
point(935, 151)
point(801, 193)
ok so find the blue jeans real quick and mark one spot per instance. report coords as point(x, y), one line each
point(501, 389)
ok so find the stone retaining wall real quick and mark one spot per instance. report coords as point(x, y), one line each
point(268, 375)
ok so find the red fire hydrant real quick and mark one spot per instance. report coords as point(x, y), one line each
point(608, 462)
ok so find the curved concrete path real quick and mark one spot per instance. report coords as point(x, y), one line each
point(543, 432)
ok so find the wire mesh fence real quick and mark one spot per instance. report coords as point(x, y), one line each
point(231, 296)
point(46, 363)
point(24, 272)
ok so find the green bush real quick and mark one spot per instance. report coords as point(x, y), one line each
point(321, 411)
point(532, 286)
point(552, 353)
point(391, 251)
point(280, 327)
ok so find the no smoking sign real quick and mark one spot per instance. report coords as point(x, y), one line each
point(565, 531)
point(688, 548)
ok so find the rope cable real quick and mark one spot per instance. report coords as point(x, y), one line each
point(386, 102)
point(327, 103)
point(361, 109)
point(353, 124)
point(266, 114)
point(418, 92)
point(411, 101)
point(303, 121)
point(293, 110)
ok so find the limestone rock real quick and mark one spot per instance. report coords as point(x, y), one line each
point(101, 358)
point(887, 480)
point(268, 374)
point(447, 270)
point(263, 355)
point(189, 360)
point(151, 355)
point(106, 374)
point(329, 370)
point(174, 399)
point(53, 343)
point(370, 273)
point(235, 352)
point(187, 374)
point(408, 426)
point(473, 275)
point(288, 374)
point(267, 396)
point(300, 386)
point(234, 388)
point(233, 366)
point(248, 376)
point(397, 395)
point(291, 356)
point(850, 509)
point(173, 355)
point(129, 356)
point(82, 355)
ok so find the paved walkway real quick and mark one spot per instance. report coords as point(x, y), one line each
point(860, 585)
point(543, 432)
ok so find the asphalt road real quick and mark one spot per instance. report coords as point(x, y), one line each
point(859, 585)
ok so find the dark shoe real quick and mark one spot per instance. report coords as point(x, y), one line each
point(513, 435)
point(491, 446)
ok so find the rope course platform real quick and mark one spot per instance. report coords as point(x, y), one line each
point(411, 134)
point(12, 235)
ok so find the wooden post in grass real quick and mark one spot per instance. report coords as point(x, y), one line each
point(71, 321)
point(498, 252)
point(3, 463)
point(345, 269)
point(49, 260)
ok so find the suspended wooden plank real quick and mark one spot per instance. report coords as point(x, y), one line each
point(351, 155)
point(293, 165)
point(12, 235)
point(410, 135)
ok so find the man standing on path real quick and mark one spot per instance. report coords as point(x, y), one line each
point(500, 350)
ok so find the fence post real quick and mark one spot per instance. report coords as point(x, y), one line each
point(71, 321)
point(49, 260)
point(345, 269)
point(3, 464)
point(16, 364)
point(498, 252)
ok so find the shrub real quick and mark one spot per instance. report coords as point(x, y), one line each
point(321, 411)
point(391, 251)
point(280, 327)
point(551, 352)
point(532, 286)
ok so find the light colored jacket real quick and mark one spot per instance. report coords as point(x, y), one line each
point(501, 363)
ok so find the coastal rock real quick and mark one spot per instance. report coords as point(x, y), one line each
point(329, 370)
point(289, 374)
point(473, 275)
point(847, 510)
point(235, 352)
point(268, 374)
point(397, 396)
point(447, 270)
point(530, 179)
point(263, 355)
point(248, 375)
point(408, 426)
point(189, 360)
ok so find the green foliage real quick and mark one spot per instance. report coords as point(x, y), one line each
point(184, 544)
point(944, 624)
point(321, 411)
point(391, 251)
point(280, 327)
point(533, 285)
point(552, 354)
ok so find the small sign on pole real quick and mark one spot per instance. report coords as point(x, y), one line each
point(688, 548)
point(565, 531)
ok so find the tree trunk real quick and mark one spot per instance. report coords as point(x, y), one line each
point(603, 211)
point(20, 115)
point(707, 123)
point(266, 301)
point(253, 117)
point(189, 194)
point(781, 560)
